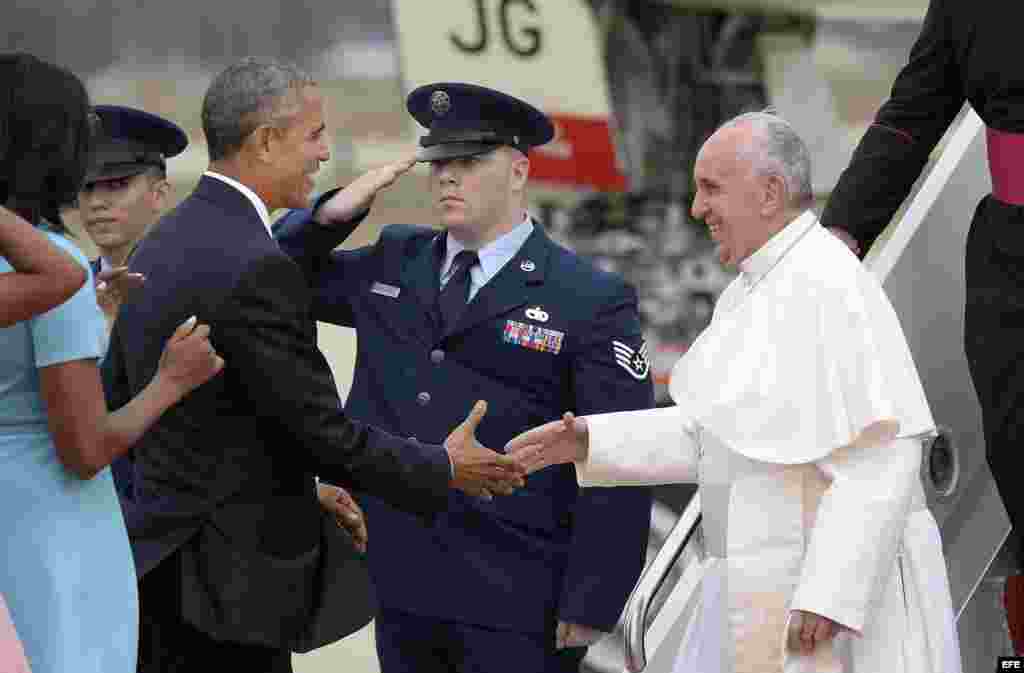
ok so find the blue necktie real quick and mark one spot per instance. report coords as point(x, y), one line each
point(453, 297)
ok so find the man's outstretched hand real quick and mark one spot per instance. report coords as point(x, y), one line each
point(479, 471)
point(357, 197)
point(566, 440)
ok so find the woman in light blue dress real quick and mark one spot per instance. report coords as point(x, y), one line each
point(67, 573)
point(43, 277)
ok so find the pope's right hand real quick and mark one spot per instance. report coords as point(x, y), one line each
point(563, 441)
point(479, 471)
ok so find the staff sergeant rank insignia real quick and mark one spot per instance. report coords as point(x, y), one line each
point(633, 361)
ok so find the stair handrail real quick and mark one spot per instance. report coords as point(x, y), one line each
point(653, 577)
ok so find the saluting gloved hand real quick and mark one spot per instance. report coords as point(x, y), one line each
point(476, 469)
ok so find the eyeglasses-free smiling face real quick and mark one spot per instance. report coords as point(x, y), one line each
point(730, 195)
point(298, 149)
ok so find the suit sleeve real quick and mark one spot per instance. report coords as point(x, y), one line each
point(857, 531)
point(926, 97)
point(331, 274)
point(268, 340)
point(610, 525)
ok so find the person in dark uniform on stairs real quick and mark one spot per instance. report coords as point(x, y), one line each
point(487, 308)
point(962, 54)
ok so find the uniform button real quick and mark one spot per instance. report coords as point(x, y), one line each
point(437, 356)
point(423, 399)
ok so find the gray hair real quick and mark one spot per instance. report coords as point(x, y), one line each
point(780, 152)
point(246, 95)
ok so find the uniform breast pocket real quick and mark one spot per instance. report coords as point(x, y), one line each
point(401, 316)
point(530, 349)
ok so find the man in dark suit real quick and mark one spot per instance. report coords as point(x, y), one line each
point(522, 583)
point(223, 518)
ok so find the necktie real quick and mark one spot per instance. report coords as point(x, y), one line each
point(452, 300)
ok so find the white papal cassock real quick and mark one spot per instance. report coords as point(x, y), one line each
point(800, 413)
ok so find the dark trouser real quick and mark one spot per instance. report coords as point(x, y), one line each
point(411, 644)
point(167, 644)
point(994, 342)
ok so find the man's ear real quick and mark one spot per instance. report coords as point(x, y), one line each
point(263, 142)
point(519, 171)
point(159, 194)
point(775, 195)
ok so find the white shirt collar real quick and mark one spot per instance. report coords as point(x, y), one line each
point(495, 254)
point(764, 258)
point(257, 202)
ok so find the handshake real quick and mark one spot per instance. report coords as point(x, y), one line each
point(477, 470)
point(482, 472)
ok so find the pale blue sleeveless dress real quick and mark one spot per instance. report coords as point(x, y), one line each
point(67, 572)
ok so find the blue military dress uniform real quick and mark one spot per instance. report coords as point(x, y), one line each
point(548, 333)
point(129, 142)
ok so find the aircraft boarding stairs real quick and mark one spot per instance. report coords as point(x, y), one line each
point(920, 262)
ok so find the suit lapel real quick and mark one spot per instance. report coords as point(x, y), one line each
point(420, 278)
point(224, 196)
point(509, 289)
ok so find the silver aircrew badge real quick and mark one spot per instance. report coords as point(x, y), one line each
point(537, 313)
point(633, 361)
point(527, 266)
point(440, 103)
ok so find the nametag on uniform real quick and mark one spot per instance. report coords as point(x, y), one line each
point(386, 290)
point(533, 337)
